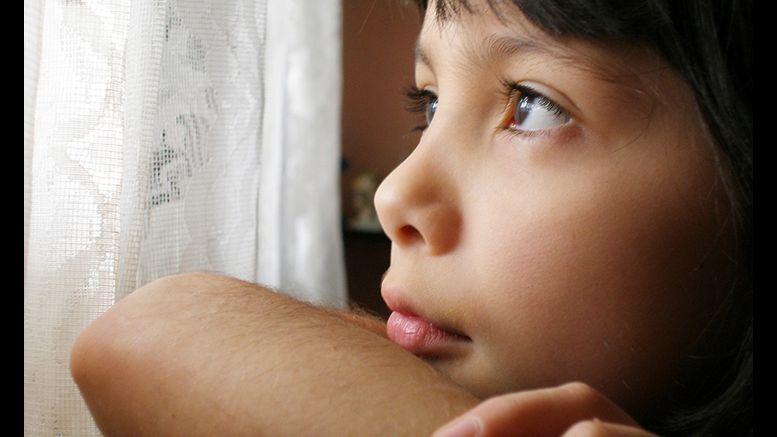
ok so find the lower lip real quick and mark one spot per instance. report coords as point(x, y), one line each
point(419, 336)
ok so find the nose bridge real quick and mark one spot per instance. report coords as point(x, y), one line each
point(418, 203)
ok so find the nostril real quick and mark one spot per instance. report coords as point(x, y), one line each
point(408, 234)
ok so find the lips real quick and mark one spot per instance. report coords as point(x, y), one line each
point(418, 335)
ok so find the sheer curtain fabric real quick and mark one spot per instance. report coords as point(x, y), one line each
point(171, 136)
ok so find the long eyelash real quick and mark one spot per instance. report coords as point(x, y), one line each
point(416, 101)
point(515, 89)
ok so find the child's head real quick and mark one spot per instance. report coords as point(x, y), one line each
point(576, 209)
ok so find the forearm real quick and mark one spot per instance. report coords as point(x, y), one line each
point(204, 355)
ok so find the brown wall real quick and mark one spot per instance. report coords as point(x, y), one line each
point(378, 41)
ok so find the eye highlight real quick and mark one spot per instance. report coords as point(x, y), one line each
point(531, 111)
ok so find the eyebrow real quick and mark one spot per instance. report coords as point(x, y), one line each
point(503, 48)
point(500, 48)
point(421, 56)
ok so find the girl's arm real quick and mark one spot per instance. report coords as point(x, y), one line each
point(206, 355)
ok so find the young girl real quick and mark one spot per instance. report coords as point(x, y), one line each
point(578, 210)
point(580, 206)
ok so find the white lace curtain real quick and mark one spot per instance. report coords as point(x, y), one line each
point(163, 136)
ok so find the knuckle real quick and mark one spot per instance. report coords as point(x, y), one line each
point(508, 402)
point(581, 391)
point(588, 428)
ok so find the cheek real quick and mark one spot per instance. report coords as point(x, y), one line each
point(597, 282)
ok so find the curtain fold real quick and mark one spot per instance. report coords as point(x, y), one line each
point(303, 74)
point(164, 137)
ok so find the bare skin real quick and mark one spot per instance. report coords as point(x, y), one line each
point(206, 355)
point(561, 219)
point(571, 410)
point(203, 355)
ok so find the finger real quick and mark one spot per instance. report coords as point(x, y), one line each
point(536, 413)
point(596, 428)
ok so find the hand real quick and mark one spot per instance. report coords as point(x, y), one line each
point(571, 410)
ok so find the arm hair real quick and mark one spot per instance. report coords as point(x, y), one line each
point(200, 354)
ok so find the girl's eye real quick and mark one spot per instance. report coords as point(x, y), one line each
point(422, 102)
point(532, 111)
point(535, 112)
point(431, 108)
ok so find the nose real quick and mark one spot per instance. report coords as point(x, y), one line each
point(418, 203)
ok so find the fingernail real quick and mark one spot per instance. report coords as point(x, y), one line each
point(466, 427)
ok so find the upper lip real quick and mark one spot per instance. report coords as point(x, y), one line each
point(396, 300)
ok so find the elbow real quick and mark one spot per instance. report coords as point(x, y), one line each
point(133, 363)
point(96, 357)
point(122, 339)
point(101, 364)
point(112, 359)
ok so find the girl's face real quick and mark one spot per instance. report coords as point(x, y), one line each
point(559, 219)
